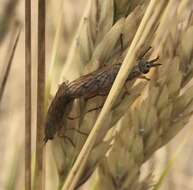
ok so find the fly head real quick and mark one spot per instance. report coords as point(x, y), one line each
point(145, 66)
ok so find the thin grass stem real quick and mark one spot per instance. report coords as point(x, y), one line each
point(54, 53)
point(6, 18)
point(39, 181)
point(12, 46)
point(28, 110)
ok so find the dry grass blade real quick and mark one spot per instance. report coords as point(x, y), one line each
point(12, 46)
point(12, 179)
point(40, 151)
point(28, 109)
point(54, 54)
point(171, 162)
point(6, 18)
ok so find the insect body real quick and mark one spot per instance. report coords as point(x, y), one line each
point(55, 113)
point(94, 84)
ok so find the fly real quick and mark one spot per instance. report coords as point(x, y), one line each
point(97, 83)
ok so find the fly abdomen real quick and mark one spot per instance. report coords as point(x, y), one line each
point(56, 111)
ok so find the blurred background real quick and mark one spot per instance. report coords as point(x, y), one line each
point(12, 103)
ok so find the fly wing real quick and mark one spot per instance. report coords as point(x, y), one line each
point(94, 83)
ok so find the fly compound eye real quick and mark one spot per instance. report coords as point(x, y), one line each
point(144, 66)
point(148, 66)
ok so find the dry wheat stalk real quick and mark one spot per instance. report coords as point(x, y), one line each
point(39, 173)
point(8, 12)
point(136, 133)
point(28, 88)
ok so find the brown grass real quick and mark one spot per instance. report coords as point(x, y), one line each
point(39, 182)
point(28, 109)
point(9, 57)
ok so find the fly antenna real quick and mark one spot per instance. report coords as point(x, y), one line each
point(145, 52)
point(154, 60)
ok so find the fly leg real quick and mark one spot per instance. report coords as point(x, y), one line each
point(77, 130)
point(105, 93)
point(67, 139)
point(121, 42)
point(144, 53)
point(126, 91)
point(154, 60)
point(100, 107)
point(88, 111)
point(144, 77)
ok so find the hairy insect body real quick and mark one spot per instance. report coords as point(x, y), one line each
point(97, 83)
point(94, 84)
point(54, 118)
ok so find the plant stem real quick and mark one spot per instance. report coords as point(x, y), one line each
point(7, 18)
point(12, 46)
point(28, 94)
point(54, 52)
point(39, 167)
